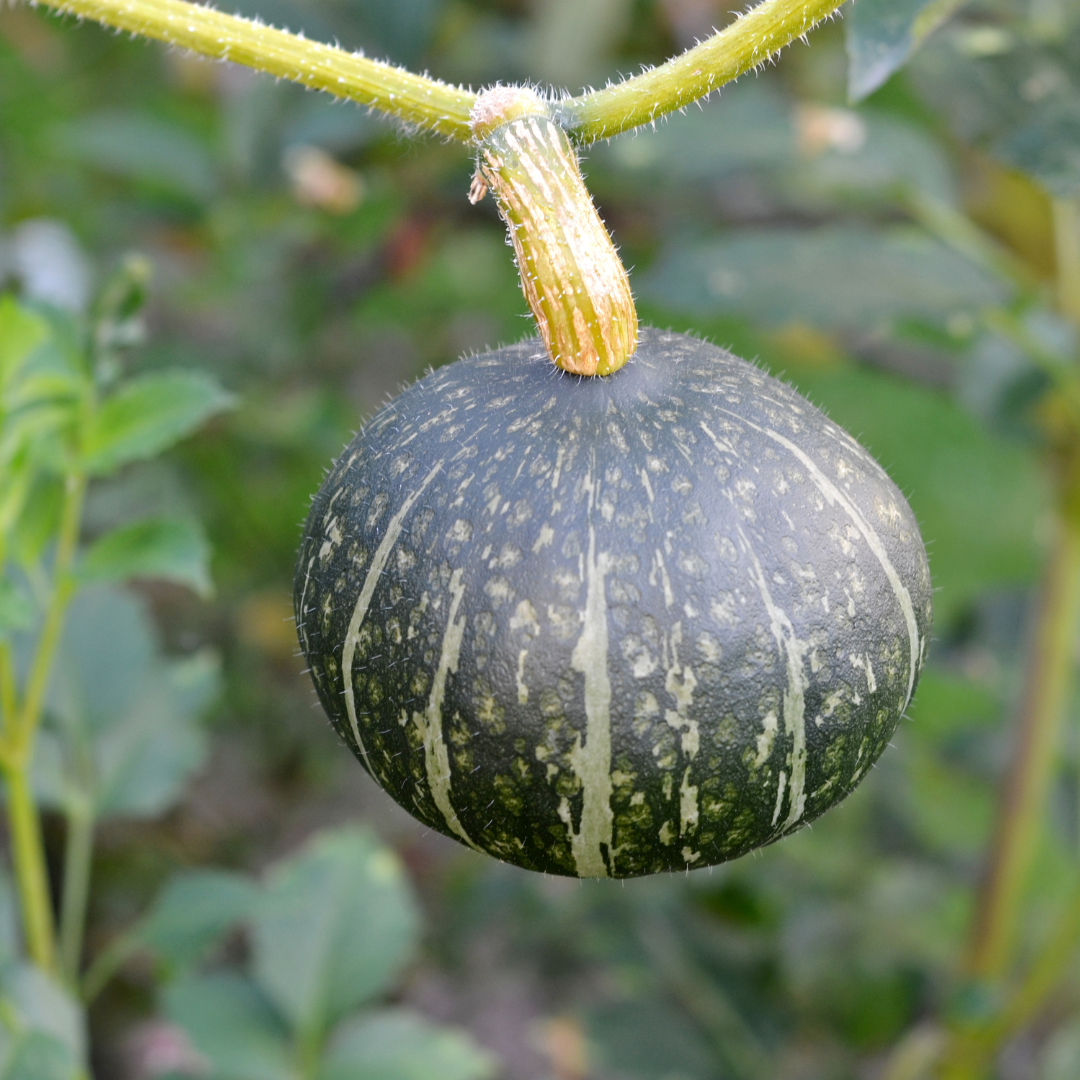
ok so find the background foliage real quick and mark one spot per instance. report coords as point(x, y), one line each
point(894, 259)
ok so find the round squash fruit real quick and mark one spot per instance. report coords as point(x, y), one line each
point(612, 626)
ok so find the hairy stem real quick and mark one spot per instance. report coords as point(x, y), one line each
point(78, 857)
point(1024, 792)
point(434, 106)
point(748, 42)
point(415, 99)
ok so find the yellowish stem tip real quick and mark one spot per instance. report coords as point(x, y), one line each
point(571, 274)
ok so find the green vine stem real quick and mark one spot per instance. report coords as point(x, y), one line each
point(424, 102)
point(1067, 235)
point(971, 1052)
point(434, 106)
point(750, 41)
point(78, 855)
point(1024, 792)
point(17, 743)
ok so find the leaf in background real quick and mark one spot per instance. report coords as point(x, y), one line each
point(121, 711)
point(16, 608)
point(882, 34)
point(9, 921)
point(21, 331)
point(144, 762)
point(149, 414)
point(1061, 1055)
point(977, 497)
point(165, 548)
point(648, 1040)
point(337, 924)
point(833, 277)
point(41, 1005)
point(134, 146)
point(400, 1045)
point(231, 1024)
point(951, 811)
point(866, 157)
point(193, 912)
point(1047, 147)
point(947, 705)
point(750, 127)
point(34, 1055)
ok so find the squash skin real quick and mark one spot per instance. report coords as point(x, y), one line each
point(612, 627)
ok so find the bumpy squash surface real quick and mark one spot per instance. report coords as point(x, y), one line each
point(610, 627)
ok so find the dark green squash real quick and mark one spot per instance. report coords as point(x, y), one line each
point(611, 627)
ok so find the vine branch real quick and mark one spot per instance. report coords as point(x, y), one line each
point(750, 41)
point(446, 110)
point(415, 99)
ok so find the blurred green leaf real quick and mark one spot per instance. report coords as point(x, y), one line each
point(868, 158)
point(337, 924)
point(193, 912)
point(41, 1005)
point(882, 34)
point(35, 1055)
point(399, 1045)
point(952, 811)
point(947, 705)
point(648, 1040)
point(1047, 147)
point(21, 331)
point(170, 549)
point(232, 1025)
point(16, 608)
point(1061, 1055)
point(750, 127)
point(124, 730)
point(834, 276)
point(149, 414)
point(135, 146)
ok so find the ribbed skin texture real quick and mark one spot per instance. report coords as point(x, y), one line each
point(612, 627)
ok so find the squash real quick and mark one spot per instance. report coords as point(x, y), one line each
point(614, 626)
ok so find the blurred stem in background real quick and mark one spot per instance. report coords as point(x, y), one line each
point(970, 1047)
point(20, 727)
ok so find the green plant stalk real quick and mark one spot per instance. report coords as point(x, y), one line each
point(78, 856)
point(747, 43)
point(105, 965)
point(1067, 238)
point(1045, 974)
point(1024, 792)
point(8, 697)
point(434, 106)
point(28, 856)
point(17, 748)
point(417, 100)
